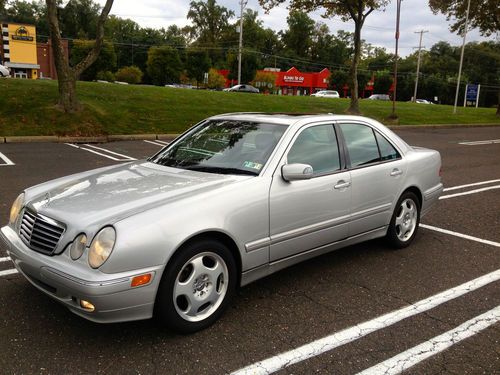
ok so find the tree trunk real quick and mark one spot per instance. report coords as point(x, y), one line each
point(353, 72)
point(67, 75)
point(68, 101)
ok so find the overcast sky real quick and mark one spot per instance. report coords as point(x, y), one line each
point(378, 30)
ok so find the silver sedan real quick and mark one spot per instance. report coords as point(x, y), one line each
point(234, 199)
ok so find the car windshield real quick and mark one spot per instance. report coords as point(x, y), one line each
point(223, 146)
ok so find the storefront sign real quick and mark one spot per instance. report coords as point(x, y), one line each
point(22, 34)
point(293, 79)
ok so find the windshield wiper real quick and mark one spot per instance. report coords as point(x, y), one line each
point(222, 170)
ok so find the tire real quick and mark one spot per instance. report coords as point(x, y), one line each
point(405, 221)
point(196, 286)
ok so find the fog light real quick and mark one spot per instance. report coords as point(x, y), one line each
point(140, 280)
point(87, 305)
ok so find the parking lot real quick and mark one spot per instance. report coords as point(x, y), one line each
point(434, 306)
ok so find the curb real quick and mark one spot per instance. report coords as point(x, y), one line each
point(170, 137)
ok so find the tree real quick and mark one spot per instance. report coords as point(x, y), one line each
point(482, 15)
point(129, 74)
point(355, 10)
point(210, 22)
point(106, 61)
point(299, 36)
point(338, 80)
point(248, 66)
point(383, 82)
point(265, 81)
point(67, 75)
point(215, 79)
point(164, 65)
point(197, 64)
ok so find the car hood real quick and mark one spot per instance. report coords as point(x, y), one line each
point(105, 197)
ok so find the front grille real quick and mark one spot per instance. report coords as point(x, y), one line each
point(40, 233)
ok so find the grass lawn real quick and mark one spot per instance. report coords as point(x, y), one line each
point(27, 108)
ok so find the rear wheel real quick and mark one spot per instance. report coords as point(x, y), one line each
point(196, 286)
point(405, 220)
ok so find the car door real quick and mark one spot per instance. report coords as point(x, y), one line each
point(310, 213)
point(377, 171)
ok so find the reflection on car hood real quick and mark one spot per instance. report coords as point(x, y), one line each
point(110, 195)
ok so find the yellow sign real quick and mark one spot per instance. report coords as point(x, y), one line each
point(22, 44)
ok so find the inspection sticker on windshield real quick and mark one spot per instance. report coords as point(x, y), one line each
point(251, 164)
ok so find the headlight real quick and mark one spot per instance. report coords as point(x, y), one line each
point(77, 247)
point(101, 247)
point(16, 208)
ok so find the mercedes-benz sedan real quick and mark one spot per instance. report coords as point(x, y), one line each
point(234, 199)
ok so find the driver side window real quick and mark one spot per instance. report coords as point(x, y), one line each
point(318, 147)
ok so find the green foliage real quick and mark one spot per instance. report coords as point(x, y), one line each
point(363, 78)
point(215, 79)
point(248, 67)
point(164, 65)
point(265, 81)
point(483, 14)
point(338, 79)
point(197, 64)
point(209, 20)
point(129, 74)
point(105, 76)
point(299, 36)
point(105, 62)
point(383, 82)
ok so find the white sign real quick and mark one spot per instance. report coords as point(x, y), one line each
point(296, 79)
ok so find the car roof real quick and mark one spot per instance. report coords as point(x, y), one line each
point(288, 118)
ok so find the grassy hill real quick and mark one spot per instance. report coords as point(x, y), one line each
point(27, 108)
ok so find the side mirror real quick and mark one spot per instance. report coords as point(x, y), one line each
point(296, 171)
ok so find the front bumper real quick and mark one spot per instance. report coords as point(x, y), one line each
point(60, 278)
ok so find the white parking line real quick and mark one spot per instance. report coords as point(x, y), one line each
point(465, 236)
point(6, 160)
point(477, 143)
point(4, 259)
point(124, 157)
point(358, 331)
point(470, 192)
point(470, 185)
point(155, 143)
point(162, 142)
point(413, 356)
point(8, 272)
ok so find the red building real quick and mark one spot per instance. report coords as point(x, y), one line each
point(45, 56)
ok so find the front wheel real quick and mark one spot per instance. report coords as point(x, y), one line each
point(196, 286)
point(405, 220)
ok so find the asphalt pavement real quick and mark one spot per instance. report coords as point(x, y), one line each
point(365, 307)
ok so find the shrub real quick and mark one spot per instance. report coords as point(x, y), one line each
point(105, 76)
point(129, 74)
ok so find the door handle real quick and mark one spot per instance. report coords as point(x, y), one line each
point(396, 172)
point(342, 185)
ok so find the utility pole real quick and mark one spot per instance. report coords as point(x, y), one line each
point(398, 17)
point(243, 4)
point(421, 32)
point(461, 58)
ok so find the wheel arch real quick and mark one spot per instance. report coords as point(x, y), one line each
point(219, 236)
point(415, 190)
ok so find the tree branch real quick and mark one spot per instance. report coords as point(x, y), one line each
point(94, 52)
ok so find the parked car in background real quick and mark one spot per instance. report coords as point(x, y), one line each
point(379, 97)
point(234, 199)
point(423, 101)
point(326, 94)
point(243, 88)
point(4, 71)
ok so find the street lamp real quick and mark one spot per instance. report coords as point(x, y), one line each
point(243, 4)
